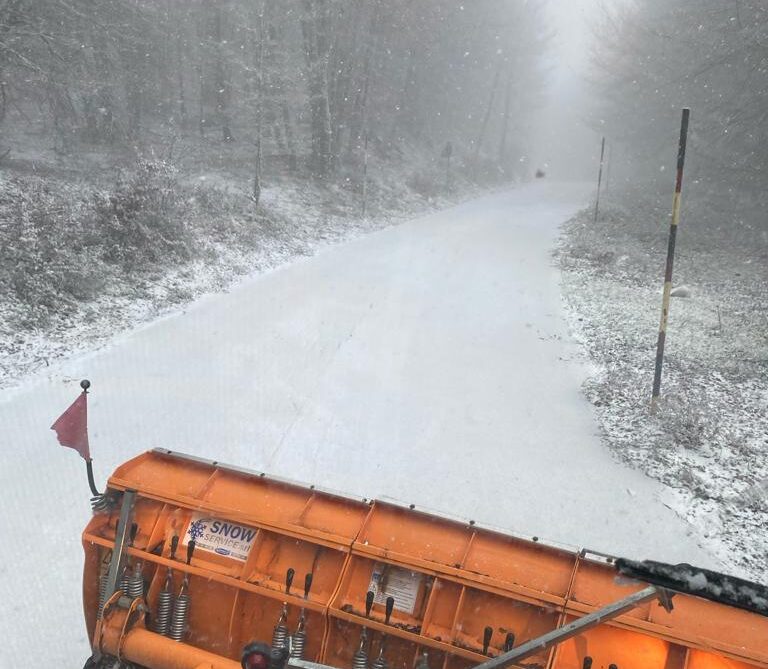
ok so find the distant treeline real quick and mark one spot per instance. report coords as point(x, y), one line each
point(303, 80)
point(653, 57)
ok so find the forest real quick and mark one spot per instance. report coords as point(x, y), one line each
point(296, 83)
point(652, 58)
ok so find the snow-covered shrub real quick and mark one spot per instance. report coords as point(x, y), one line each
point(599, 258)
point(141, 222)
point(61, 243)
point(688, 421)
point(48, 259)
point(424, 184)
point(217, 212)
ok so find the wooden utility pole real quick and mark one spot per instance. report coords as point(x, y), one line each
point(670, 259)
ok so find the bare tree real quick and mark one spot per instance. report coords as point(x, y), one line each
point(259, 38)
point(314, 28)
point(313, 79)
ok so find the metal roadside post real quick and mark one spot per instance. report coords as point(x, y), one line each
point(670, 260)
point(599, 178)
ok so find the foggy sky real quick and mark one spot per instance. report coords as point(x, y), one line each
point(567, 148)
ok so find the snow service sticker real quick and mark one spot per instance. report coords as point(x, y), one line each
point(220, 536)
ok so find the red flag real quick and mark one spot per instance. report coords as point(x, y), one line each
point(72, 427)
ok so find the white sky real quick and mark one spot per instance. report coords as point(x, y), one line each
point(566, 146)
point(572, 20)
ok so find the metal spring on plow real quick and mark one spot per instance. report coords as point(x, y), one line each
point(380, 662)
point(124, 582)
point(299, 642)
point(299, 638)
point(136, 582)
point(360, 658)
point(280, 633)
point(180, 614)
point(102, 592)
point(162, 623)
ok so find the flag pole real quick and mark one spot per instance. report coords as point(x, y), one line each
point(91, 482)
point(72, 432)
point(85, 384)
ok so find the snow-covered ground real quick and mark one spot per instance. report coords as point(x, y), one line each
point(428, 362)
point(709, 440)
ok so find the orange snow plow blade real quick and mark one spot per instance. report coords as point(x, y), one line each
point(192, 561)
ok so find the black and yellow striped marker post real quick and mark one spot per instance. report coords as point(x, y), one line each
point(670, 260)
point(599, 178)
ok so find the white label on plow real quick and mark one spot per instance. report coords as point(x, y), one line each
point(220, 536)
point(400, 584)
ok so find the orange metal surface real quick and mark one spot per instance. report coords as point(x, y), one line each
point(450, 579)
point(147, 649)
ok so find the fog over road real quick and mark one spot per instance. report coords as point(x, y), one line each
point(428, 362)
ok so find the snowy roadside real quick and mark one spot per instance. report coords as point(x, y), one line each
point(295, 219)
point(709, 441)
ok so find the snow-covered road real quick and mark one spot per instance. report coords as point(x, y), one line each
point(428, 362)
